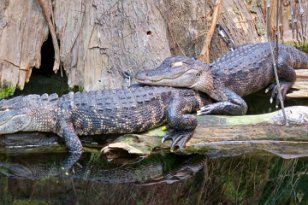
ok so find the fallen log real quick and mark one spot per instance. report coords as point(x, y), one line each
point(300, 86)
point(215, 136)
point(219, 136)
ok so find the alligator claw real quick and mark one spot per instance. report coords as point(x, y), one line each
point(179, 138)
point(70, 160)
point(206, 109)
point(284, 87)
point(271, 100)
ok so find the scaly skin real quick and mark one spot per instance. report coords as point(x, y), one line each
point(104, 112)
point(241, 72)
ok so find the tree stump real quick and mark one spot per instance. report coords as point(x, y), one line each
point(100, 40)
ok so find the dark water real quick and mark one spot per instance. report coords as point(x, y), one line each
point(169, 179)
point(259, 103)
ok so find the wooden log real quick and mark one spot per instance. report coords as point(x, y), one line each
point(300, 86)
point(219, 136)
point(215, 136)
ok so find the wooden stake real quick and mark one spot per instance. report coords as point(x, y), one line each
point(204, 55)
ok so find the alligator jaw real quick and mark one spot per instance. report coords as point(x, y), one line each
point(142, 77)
point(179, 76)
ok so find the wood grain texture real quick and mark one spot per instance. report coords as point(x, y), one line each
point(100, 40)
point(22, 32)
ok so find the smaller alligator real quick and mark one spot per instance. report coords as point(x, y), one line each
point(119, 111)
point(245, 70)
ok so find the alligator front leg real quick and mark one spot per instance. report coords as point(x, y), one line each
point(72, 142)
point(182, 124)
point(235, 105)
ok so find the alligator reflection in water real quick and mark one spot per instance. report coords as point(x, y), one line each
point(153, 169)
point(256, 179)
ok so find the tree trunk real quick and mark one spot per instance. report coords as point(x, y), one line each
point(100, 40)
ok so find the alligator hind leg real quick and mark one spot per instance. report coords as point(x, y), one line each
point(287, 77)
point(235, 105)
point(284, 87)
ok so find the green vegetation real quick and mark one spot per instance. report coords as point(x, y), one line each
point(40, 84)
point(6, 92)
point(302, 47)
point(77, 88)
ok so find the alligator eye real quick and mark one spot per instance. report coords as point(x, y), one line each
point(179, 63)
point(3, 109)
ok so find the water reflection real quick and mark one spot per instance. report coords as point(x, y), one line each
point(168, 179)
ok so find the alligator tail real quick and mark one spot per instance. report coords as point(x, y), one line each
point(299, 59)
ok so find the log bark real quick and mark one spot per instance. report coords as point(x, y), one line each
point(219, 136)
point(22, 32)
point(48, 14)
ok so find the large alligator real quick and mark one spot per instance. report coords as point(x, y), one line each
point(104, 112)
point(243, 71)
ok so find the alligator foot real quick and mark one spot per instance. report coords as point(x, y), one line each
point(71, 159)
point(284, 87)
point(225, 107)
point(179, 138)
point(229, 103)
point(208, 109)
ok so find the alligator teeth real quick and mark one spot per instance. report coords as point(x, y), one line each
point(179, 63)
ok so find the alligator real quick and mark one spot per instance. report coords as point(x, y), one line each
point(114, 111)
point(246, 70)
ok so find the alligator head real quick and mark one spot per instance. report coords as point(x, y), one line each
point(14, 115)
point(176, 71)
point(21, 114)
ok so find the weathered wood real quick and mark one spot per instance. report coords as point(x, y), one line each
point(233, 135)
point(48, 14)
point(22, 32)
point(100, 40)
point(301, 85)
